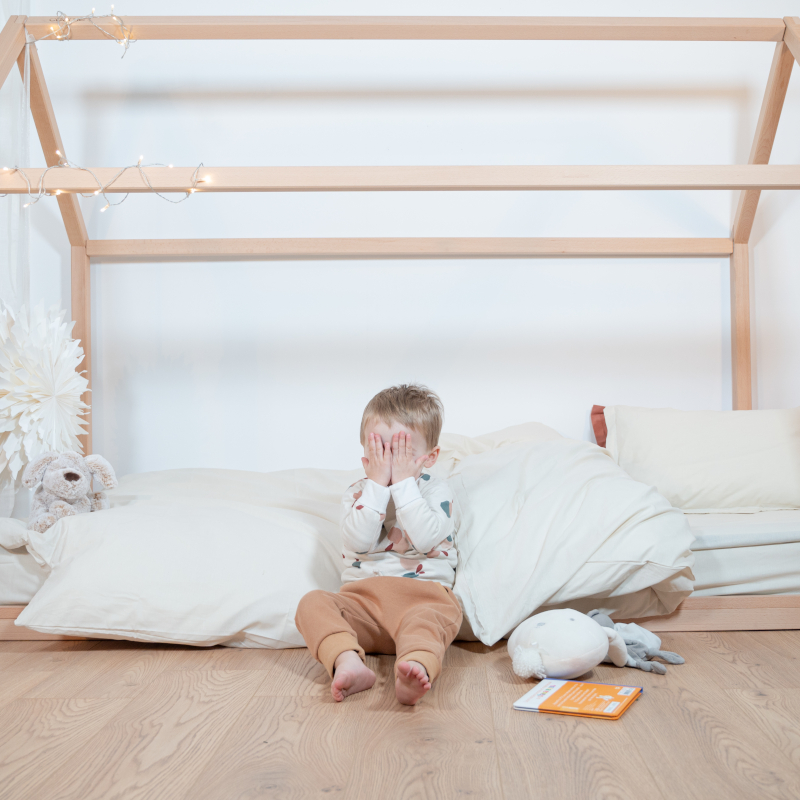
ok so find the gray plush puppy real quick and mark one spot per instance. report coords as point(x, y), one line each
point(63, 484)
point(642, 645)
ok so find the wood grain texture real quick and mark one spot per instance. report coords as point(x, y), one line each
point(698, 746)
point(574, 758)
point(433, 28)
point(407, 247)
point(40, 656)
point(45, 120)
point(766, 128)
point(12, 40)
point(37, 738)
point(721, 725)
point(109, 670)
point(445, 747)
point(774, 714)
point(81, 309)
point(792, 35)
point(741, 363)
point(417, 178)
point(159, 742)
point(287, 747)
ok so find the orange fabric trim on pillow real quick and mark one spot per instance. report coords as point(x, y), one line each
point(599, 425)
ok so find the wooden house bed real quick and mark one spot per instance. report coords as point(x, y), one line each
point(696, 613)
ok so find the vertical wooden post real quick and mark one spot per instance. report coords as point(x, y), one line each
point(740, 328)
point(82, 314)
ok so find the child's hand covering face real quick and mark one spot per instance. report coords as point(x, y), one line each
point(378, 460)
point(404, 465)
point(393, 453)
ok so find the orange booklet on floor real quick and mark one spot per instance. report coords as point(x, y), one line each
point(600, 700)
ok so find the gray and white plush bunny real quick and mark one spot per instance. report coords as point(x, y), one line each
point(63, 484)
point(642, 645)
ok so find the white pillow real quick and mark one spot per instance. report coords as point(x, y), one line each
point(540, 524)
point(711, 461)
point(172, 562)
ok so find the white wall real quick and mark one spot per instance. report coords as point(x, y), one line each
point(267, 365)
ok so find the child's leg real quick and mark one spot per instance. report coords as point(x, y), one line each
point(426, 630)
point(423, 618)
point(336, 628)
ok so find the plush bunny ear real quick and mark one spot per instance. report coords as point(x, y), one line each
point(102, 470)
point(35, 470)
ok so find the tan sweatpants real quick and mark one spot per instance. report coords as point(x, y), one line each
point(413, 618)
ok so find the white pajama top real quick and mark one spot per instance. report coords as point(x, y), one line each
point(404, 530)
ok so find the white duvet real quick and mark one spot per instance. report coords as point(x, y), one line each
point(558, 523)
point(223, 557)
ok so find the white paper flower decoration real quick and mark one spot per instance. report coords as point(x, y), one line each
point(40, 388)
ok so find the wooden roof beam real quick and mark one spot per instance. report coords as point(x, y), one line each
point(432, 28)
point(50, 138)
point(415, 178)
point(12, 40)
point(775, 94)
point(791, 36)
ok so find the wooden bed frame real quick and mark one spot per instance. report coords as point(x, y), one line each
point(706, 613)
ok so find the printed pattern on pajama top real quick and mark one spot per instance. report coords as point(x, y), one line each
point(404, 530)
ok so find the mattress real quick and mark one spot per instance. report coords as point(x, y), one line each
point(746, 553)
point(20, 577)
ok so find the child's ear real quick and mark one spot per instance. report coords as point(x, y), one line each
point(432, 456)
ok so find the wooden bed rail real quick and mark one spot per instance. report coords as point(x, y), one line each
point(733, 613)
point(407, 247)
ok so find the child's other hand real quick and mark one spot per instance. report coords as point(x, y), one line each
point(403, 463)
point(378, 464)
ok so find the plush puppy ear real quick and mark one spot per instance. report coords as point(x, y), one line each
point(102, 470)
point(35, 470)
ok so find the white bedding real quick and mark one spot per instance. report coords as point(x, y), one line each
point(746, 553)
point(20, 577)
point(216, 556)
point(715, 531)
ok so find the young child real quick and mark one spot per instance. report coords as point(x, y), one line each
point(399, 556)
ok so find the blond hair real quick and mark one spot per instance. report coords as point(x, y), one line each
point(412, 405)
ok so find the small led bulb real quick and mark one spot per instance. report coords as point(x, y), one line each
point(97, 192)
point(104, 208)
point(58, 191)
point(141, 158)
point(58, 152)
point(26, 205)
point(170, 166)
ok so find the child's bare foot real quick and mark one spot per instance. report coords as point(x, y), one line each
point(412, 682)
point(351, 675)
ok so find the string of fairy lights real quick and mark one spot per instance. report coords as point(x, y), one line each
point(62, 31)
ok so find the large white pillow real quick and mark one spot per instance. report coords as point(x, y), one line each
point(194, 557)
point(711, 461)
point(557, 523)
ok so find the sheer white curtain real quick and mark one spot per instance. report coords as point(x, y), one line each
point(14, 219)
point(14, 151)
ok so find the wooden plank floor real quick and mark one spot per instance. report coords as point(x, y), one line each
point(86, 720)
